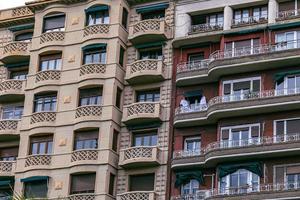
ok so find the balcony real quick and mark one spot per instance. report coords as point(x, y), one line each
point(94, 30)
point(149, 30)
point(203, 28)
point(248, 21)
point(55, 37)
point(16, 16)
point(94, 70)
point(47, 77)
point(229, 150)
point(248, 104)
point(145, 71)
point(142, 112)
point(84, 196)
point(137, 195)
point(139, 156)
point(9, 126)
point(289, 14)
point(43, 118)
point(15, 52)
point(84, 155)
point(240, 60)
point(11, 90)
point(7, 168)
point(38, 160)
point(88, 113)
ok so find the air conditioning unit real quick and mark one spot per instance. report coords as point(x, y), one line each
point(202, 194)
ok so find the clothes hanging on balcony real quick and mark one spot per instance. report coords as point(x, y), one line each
point(183, 178)
point(254, 167)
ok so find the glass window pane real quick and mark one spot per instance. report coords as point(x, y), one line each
point(49, 149)
point(42, 149)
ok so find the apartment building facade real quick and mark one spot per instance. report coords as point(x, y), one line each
point(85, 99)
point(236, 71)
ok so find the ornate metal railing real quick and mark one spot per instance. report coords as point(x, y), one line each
point(229, 144)
point(6, 166)
point(43, 117)
point(15, 47)
point(240, 97)
point(137, 195)
point(147, 25)
point(192, 66)
point(52, 36)
point(96, 29)
point(144, 65)
point(94, 68)
point(84, 154)
point(9, 124)
point(38, 160)
point(249, 20)
point(88, 110)
point(200, 28)
point(48, 75)
point(282, 15)
point(11, 85)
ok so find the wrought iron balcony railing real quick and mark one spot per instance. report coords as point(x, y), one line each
point(249, 21)
point(200, 28)
point(287, 14)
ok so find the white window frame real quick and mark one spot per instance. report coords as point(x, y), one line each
point(284, 171)
point(250, 139)
point(233, 50)
point(13, 110)
point(249, 182)
point(286, 90)
point(191, 138)
point(231, 82)
point(191, 186)
point(295, 40)
point(285, 127)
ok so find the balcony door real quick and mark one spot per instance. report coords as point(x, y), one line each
point(288, 85)
point(288, 176)
point(190, 188)
point(287, 130)
point(192, 145)
point(242, 48)
point(287, 40)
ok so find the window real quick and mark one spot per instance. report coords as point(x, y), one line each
point(115, 140)
point(289, 174)
point(24, 37)
point(241, 181)
point(145, 139)
point(91, 96)
point(250, 15)
point(214, 19)
point(148, 96)
point(118, 97)
point(18, 75)
point(153, 53)
point(237, 136)
point(36, 189)
point(86, 140)
point(121, 58)
point(242, 47)
point(241, 88)
point(260, 13)
point(287, 40)
point(192, 144)
point(9, 154)
point(285, 130)
point(50, 62)
point(143, 182)
point(195, 57)
point(190, 188)
point(41, 145)
point(55, 22)
point(95, 56)
point(83, 183)
point(289, 85)
point(125, 18)
point(111, 189)
point(157, 14)
point(289, 5)
point(6, 192)
point(45, 103)
point(12, 112)
point(97, 17)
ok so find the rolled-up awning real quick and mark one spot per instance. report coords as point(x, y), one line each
point(94, 46)
point(151, 8)
point(254, 167)
point(183, 178)
point(6, 181)
point(280, 76)
point(149, 45)
point(34, 178)
point(21, 27)
point(96, 8)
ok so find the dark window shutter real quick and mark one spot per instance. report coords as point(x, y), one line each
point(256, 85)
point(279, 175)
point(292, 126)
point(254, 131)
point(87, 135)
point(142, 182)
point(54, 22)
point(279, 127)
point(225, 134)
point(227, 89)
point(83, 183)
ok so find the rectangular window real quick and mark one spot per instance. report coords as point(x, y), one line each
point(97, 17)
point(242, 47)
point(54, 23)
point(143, 182)
point(285, 130)
point(115, 140)
point(190, 188)
point(288, 5)
point(12, 112)
point(50, 62)
point(41, 145)
point(45, 103)
point(95, 56)
point(19, 75)
point(289, 85)
point(36, 189)
point(91, 96)
point(289, 174)
point(125, 18)
point(153, 53)
point(9, 154)
point(148, 96)
point(112, 184)
point(145, 139)
point(86, 140)
point(195, 57)
point(192, 144)
point(83, 183)
point(121, 58)
point(287, 40)
point(118, 97)
point(158, 14)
